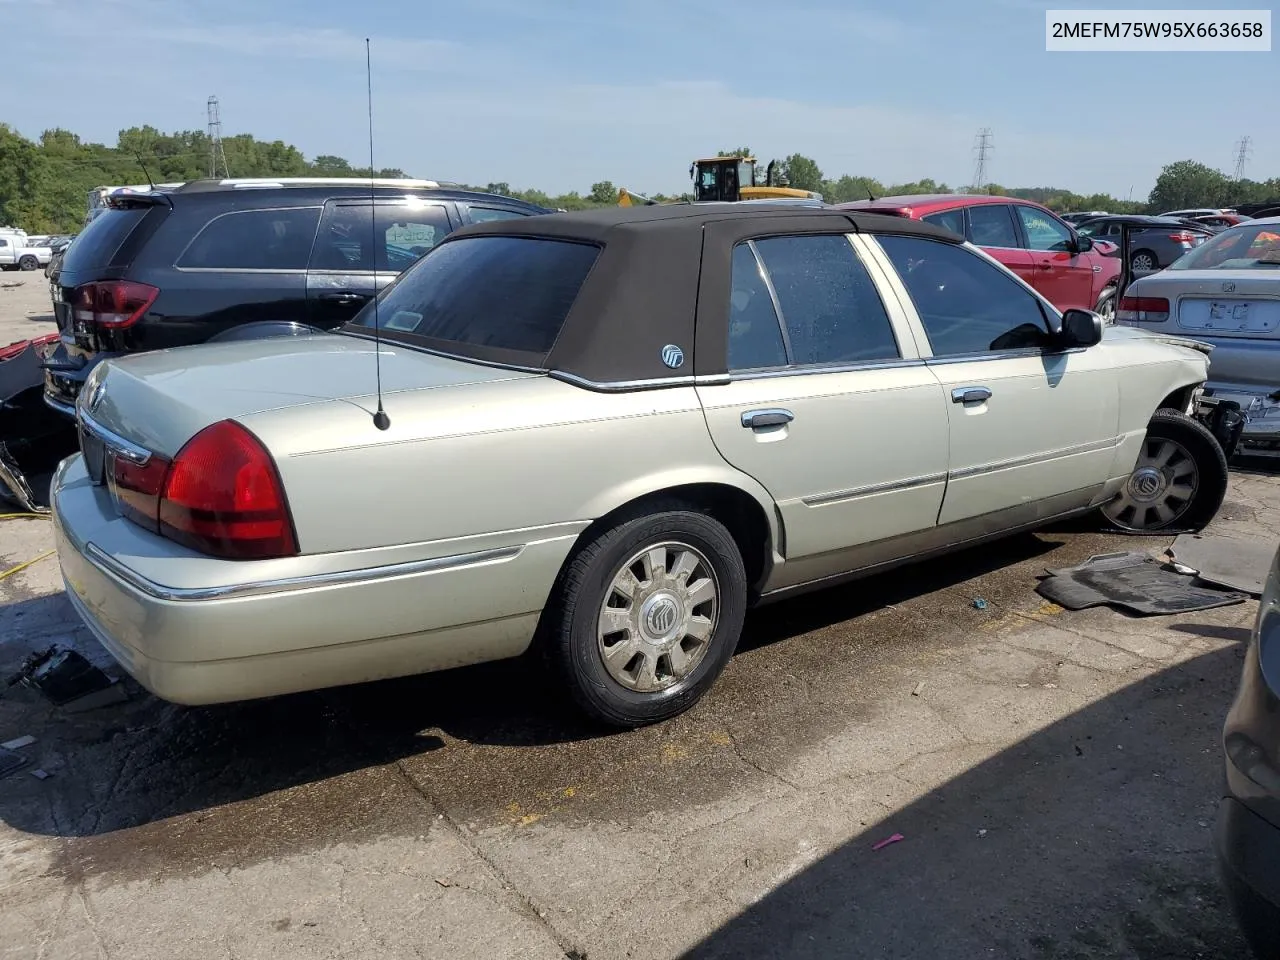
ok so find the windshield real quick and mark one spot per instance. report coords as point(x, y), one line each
point(496, 298)
point(1240, 248)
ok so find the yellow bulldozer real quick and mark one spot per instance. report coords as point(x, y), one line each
point(729, 179)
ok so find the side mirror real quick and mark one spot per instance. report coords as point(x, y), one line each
point(1080, 328)
point(1083, 243)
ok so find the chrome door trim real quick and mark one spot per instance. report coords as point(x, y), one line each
point(866, 491)
point(1093, 447)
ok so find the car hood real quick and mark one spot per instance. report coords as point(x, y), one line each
point(1115, 334)
point(161, 399)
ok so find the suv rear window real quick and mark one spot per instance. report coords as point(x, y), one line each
point(504, 296)
point(98, 242)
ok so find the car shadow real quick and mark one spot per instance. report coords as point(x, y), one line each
point(1090, 838)
point(131, 764)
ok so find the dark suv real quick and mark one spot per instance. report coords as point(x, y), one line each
point(180, 266)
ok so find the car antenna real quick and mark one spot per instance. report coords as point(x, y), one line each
point(150, 183)
point(871, 196)
point(380, 419)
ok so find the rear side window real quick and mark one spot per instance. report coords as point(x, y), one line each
point(253, 240)
point(831, 311)
point(485, 214)
point(506, 294)
point(755, 333)
point(403, 233)
point(991, 225)
point(97, 244)
point(952, 220)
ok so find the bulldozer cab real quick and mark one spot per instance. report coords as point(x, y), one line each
point(722, 178)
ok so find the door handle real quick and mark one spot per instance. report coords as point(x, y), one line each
point(759, 419)
point(1045, 265)
point(344, 296)
point(970, 394)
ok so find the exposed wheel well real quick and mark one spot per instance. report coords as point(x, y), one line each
point(1180, 399)
point(740, 513)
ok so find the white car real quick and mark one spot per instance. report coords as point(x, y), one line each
point(17, 253)
point(606, 434)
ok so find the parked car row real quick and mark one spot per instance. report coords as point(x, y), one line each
point(1154, 242)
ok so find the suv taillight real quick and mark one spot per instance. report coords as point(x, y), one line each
point(220, 495)
point(113, 304)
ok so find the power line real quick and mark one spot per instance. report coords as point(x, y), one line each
point(983, 144)
point(1242, 157)
point(216, 156)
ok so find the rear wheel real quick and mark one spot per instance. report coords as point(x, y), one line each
point(28, 263)
point(1178, 482)
point(1144, 261)
point(646, 616)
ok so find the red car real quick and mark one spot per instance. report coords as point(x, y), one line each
point(1067, 269)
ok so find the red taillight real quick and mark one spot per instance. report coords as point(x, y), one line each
point(113, 304)
point(137, 488)
point(1143, 309)
point(1183, 237)
point(222, 495)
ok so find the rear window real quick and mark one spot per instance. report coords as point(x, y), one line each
point(98, 242)
point(504, 297)
point(1239, 248)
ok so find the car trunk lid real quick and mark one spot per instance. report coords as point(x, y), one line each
point(160, 400)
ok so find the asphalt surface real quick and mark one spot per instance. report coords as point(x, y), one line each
point(1053, 776)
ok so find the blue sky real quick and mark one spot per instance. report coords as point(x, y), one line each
point(558, 94)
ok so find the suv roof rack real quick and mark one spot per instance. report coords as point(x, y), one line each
point(241, 183)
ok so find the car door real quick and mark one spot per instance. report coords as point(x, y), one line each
point(362, 246)
point(1063, 275)
point(826, 402)
point(991, 227)
point(1033, 431)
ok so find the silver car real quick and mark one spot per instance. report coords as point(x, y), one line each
point(1226, 293)
point(606, 435)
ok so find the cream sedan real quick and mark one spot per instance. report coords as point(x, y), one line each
point(604, 435)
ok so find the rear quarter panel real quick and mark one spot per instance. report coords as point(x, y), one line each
point(503, 460)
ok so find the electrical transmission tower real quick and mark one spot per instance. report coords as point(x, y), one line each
point(217, 159)
point(1242, 157)
point(982, 145)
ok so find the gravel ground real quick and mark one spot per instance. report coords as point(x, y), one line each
point(1053, 774)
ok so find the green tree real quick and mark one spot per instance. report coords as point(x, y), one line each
point(1188, 183)
point(740, 152)
point(801, 172)
point(603, 193)
point(848, 189)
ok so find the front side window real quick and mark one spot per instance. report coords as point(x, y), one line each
point(486, 214)
point(504, 294)
point(254, 240)
point(831, 310)
point(1043, 231)
point(966, 304)
point(991, 225)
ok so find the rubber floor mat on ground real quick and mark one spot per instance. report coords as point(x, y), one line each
point(1236, 564)
point(1134, 581)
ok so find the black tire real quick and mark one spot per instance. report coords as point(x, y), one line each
point(28, 263)
point(1196, 510)
point(1106, 305)
point(1138, 255)
point(570, 623)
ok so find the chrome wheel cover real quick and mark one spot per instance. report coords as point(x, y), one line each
point(658, 616)
point(1160, 489)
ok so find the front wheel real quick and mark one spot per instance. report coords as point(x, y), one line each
point(28, 263)
point(1106, 307)
point(1144, 261)
point(646, 616)
point(1179, 481)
